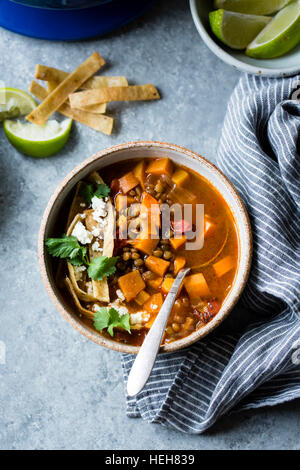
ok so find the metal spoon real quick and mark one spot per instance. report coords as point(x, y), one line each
point(143, 365)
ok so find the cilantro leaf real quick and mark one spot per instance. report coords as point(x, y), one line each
point(101, 267)
point(101, 319)
point(114, 320)
point(110, 319)
point(67, 247)
point(102, 191)
point(125, 323)
point(88, 191)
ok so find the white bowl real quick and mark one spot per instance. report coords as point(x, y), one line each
point(288, 64)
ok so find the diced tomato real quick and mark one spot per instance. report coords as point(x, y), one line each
point(197, 313)
point(210, 310)
point(181, 226)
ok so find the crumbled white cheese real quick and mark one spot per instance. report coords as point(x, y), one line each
point(154, 306)
point(120, 294)
point(82, 204)
point(122, 311)
point(80, 268)
point(136, 318)
point(96, 232)
point(120, 308)
point(139, 318)
point(96, 246)
point(78, 272)
point(82, 234)
point(90, 288)
point(99, 207)
point(82, 216)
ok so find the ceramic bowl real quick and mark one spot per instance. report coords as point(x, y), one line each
point(287, 65)
point(54, 217)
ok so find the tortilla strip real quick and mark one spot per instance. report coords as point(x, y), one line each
point(70, 84)
point(80, 308)
point(100, 288)
point(49, 74)
point(95, 108)
point(81, 294)
point(51, 85)
point(99, 122)
point(105, 95)
point(76, 204)
point(108, 246)
point(75, 208)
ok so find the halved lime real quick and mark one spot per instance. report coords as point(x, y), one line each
point(252, 7)
point(236, 30)
point(38, 141)
point(280, 36)
point(15, 103)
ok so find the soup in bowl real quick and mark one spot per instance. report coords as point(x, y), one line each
point(120, 228)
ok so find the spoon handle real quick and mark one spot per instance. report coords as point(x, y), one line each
point(145, 359)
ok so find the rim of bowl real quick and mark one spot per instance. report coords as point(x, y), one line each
point(88, 332)
point(229, 59)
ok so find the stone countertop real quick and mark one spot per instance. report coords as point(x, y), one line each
point(57, 389)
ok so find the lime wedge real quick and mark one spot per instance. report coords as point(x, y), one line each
point(15, 103)
point(38, 141)
point(236, 30)
point(279, 36)
point(252, 7)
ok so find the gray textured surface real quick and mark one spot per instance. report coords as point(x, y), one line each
point(57, 390)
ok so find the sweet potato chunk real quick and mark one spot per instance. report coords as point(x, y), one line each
point(167, 284)
point(139, 173)
point(161, 166)
point(142, 297)
point(155, 283)
point(150, 214)
point(179, 263)
point(128, 182)
point(145, 245)
point(178, 242)
point(180, 177)
point(154, 304)
point(157, 265)
point(196, 286)
point(223, 266)
point(131, 284)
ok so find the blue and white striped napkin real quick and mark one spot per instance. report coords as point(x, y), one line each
point(253, 359)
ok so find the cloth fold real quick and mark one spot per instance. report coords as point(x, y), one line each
point(253, 359)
